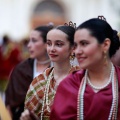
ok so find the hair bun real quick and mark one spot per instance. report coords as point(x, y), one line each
point(71, 24)
point(50, 25)
point(116, 41)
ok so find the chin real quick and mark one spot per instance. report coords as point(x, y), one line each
point(31, 56)
point(82, 66)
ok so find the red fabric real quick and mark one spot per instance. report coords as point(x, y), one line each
point(9, 63)
point(96, 105)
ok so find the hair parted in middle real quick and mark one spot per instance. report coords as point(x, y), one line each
point(69, 30)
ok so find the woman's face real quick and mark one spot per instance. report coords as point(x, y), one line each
point(58, 47)
point(87, 49)
point(36, 46)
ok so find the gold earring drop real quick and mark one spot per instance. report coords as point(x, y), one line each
point(72, 57)
point(105, 58)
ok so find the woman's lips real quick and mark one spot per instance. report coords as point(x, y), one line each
point(81, 59)
point(52, 55)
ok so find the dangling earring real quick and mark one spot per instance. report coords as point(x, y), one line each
point(72, 57)
point(105, 58)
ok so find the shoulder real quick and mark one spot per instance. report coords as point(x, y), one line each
point(28, 63)
point(73, 80)
point(40, 79)
point(23, 70)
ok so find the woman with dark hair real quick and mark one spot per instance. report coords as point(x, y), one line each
point(92, 93)
point(23, 74)
point(42, 90)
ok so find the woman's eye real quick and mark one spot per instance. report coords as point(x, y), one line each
point(48, 43)
point(84, 43)
point(34, 40)
point(59, 44)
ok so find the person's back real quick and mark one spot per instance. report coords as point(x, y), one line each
point(19, 81)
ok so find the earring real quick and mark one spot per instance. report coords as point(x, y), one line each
point(105, 58)
point(72, 57)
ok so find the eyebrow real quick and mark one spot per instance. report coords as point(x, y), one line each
point(55, 40)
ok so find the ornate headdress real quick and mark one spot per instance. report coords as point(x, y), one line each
point(101, 17)
point(71, 24)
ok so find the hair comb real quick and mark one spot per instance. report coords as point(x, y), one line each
point(102, 18)
point(71, 24)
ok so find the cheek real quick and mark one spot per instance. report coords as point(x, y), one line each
point(95, 53)
point(92, 49)
point(40, 46)
point(65, 52)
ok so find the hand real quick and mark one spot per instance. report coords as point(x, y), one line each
point(27, 115)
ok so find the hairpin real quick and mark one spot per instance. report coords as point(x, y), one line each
point(102, 18)
point(118, 34)
point(71, 24)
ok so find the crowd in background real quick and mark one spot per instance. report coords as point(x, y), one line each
point(11, 53)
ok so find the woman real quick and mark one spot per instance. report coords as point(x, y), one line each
point(41, 92)
point(23, 73)
point(94, 92)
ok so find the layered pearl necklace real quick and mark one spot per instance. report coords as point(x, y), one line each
point(114, 106)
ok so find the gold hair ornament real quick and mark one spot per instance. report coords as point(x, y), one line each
point(101, 17)
point(118, 34)
point(71, 24)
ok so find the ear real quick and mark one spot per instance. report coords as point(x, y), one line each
point(106, 44)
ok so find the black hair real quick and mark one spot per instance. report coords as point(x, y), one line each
point(44, 30)
point(69, 31)
point(102, 30)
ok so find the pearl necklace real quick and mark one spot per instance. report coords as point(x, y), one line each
point(114, 106)
point(101, 87)
point(43, 62)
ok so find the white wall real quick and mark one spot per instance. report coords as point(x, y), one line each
point(15, 14)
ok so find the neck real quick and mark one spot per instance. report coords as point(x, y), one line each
point(101, 75)
point(61, 71)
point(43, 60)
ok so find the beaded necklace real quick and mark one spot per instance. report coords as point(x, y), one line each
point(114, 106)
point(47, 87)
point(45, 97)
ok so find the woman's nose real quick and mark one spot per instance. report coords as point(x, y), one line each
point(52, 48)
point(29, 44)
point(78, 50)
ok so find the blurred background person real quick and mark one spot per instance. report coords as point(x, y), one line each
point(10, 56)
point(23, 73)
